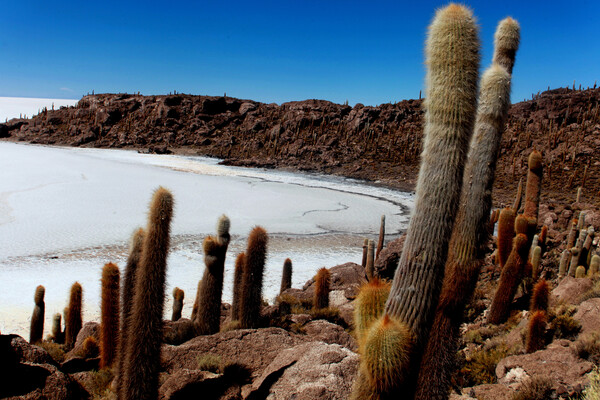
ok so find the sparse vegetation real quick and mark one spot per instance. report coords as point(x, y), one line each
point(535, 388)
point(588, 348)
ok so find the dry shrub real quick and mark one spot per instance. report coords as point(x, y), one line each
point(562, 323)
point(588, 348)
point(210, 362)
point(56, 351)
point(297, 306)
point(592, 392)
point(98, 384)
point(89, 349)
point(593, 293)
point(480, 367)
point(536, 388)
point(476, 306)
point(330, 314)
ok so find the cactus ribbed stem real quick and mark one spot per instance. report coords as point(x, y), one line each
point(381, 237)
point(370, 268)
point(36, 331)
point(286, 276)
point(238, 276)
point(109, 332)
point(178, 296)
point(506, 234)
point(73, 320)
point(322, 283)
point(252, 281)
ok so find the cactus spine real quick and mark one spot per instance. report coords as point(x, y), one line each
point(178, 296)
point(535, 332)
point(286, 276)
point(238, 276)
point(142, 361)
point(58, 336)
point(109, 332)
point(381, 236)
point(364, 255)
point(322, 283)
point(251, 299)
point(133, 260)
point(574, 261)
point(580, 272)
point(506, 234)
point(208, 315)
point(36, 331)
point(370, 268)
point(564, 260)
point(594, 266)
point(73, 320)
point(535, 262)
point(469, 236)
point(506, 44)
point(534, 185)
point(539, 298)
point(369, 305)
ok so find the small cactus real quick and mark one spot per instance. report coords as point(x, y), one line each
point(238, 276)
point(580, 272)
point(564, 260)
point(539, 298)
point(58, 336)
point(36, 331)
point(369, 305)
point(506, 234)
point(370, 268)
point(254, 266)
point(594, 266)
point(536, 330)
point(178, 296)
point(286, 276)
point(109, 331)
point(536, 256)
point(574, 261)
point(381, 237)
point(364, 254)
point(322, 282)
point(73, 320)
point(534, 185)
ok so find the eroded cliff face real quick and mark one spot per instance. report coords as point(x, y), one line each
point(380, 143)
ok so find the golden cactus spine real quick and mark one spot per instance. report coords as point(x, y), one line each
point(369, 305)
point(109, 326)
point(580, 272)
point(536, 329)
point(539, 298)
point(142, 362)
point(322, 287)
point(36, 331)
point(252, 281)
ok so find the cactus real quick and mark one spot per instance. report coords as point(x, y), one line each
point(381, 236)
point(578, 198)
point(539, 298)
point(518, 197)
point(572, 236)
point(36, 331)
point(587, 245)
point(369, 305)
point(364, 254)
point(370, 268)
point(109, 327)
point(543, 237)
point(286, 276)
point(469, 238)
point(90, 348)
point(58, 336)
point(452, 53)
point(73, 319)
point(506, 234)
point(564, 260)
point(135, 251)
point(536, 256)
point(210, 290)
point(142, 361)
point(238, 276)
point(580, 272)
point(574, 261)
point(322, 282)
point(506, 43)
point(178, 296)
point(536, 331)
point(534, 185)
point(385, 357)
point(509, 281)
point(251, 293)
point(594, 266)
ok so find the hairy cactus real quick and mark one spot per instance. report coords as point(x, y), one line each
point(370, 268)
point(469, 238)
point(36, 331)
point(252, 281)
point(509, 281)
point(58, 336)
point(286, 276)
point(178, 296)
point(539, 298)
point(574, 261)
point(594, 266)
point(364, 254)
point(73, 320)
point(536, 257)
point(90, 348)
point(109, 332)
point(369, 305)
point(536, 329)
point(322, 282)
point(210, 290)
point(506, 234)
point(572, 236)
point(381, 237)
point(133, 260)
point(238, 276)
point(580, 272)
point(142, 361)
point(534, 185)
point(506, 43)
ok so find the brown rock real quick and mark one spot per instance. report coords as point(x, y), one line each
point(387, 262)
point(192, 384)
point(571, 289)
point(324, 331)
point(588, 315)
point(88, 329)
point(489, 392)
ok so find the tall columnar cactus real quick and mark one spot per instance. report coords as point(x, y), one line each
point(142, 361)
point(381, 237)
point(109, 332)
point(127, 294)
point(452, 53)
point(506, 234)
point(469, 238)
point(574, 261)
point(370, 268)
point(518, 197)
point(73, 320)
point(506, 44)
point(58, 336)
point(369, 305)
point(322, 286)
point(252, 281)
point(534, 185)
point(587, 245)
point(178, 296)
point(238, 277)
point(36, 331)
point(509, 281)
point(536, 329)
point(286, 276)
point(563, 264)
point(539, 298)
point(208, 316)
point(364, 254)
point(536, 257)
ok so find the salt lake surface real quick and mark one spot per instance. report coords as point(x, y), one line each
point(65, 212)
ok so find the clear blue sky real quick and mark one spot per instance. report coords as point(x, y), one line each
point(273, 51)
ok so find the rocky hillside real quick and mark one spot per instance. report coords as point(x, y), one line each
point(380, 143)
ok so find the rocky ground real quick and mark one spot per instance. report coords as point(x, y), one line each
point(306, 355)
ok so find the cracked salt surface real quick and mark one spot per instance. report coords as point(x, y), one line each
point(68, 211)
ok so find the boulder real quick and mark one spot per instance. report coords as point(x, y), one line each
point(313, 370)
point(88, 329)
point(327, 332)
point(347, 277)
point(571, 289)
point(487, 392)
point(387, 262)
point(189, 384)
point(587, 315)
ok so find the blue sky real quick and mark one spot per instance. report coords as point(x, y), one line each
point(273, 51)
